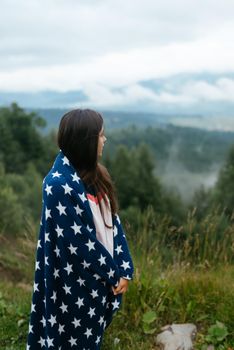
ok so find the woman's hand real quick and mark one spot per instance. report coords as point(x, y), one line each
point(122, 286)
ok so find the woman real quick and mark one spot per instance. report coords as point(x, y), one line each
point(83, 262)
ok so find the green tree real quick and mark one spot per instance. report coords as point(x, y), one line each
point(201, 202)
point(133, 172)
point(224, 190)
point(12, 214)
point(20, 199)
point(147, 186)
point(21, 141)
point(123, 171)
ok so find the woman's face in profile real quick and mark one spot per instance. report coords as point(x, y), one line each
point(101, 142)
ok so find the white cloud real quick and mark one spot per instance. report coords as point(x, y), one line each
point(102, 96)
point(105, 48)
point(190, 93)
point(67, 31)
point(124, 68)
point(221, 90)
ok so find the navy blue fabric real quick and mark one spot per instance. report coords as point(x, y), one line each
point(72, 302)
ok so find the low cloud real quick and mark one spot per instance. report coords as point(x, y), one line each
point(102, 96)
point(221, 90)
point(191, 92)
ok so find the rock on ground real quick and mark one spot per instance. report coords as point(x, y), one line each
point(177, 337)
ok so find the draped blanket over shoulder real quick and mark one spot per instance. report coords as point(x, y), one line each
point(72, 301)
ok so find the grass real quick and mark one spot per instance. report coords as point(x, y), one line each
point(179, 291)
point(178, 295)
point(14, 312)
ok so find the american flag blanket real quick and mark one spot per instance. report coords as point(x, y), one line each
point(72, 302)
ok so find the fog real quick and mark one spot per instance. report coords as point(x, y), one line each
point(174, 175)
point(185, 182)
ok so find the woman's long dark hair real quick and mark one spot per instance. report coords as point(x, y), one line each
point(78, 140)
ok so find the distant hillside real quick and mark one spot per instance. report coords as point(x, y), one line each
point(113, 119)
point(196, 149)
point(120, 119)
point(186, 158)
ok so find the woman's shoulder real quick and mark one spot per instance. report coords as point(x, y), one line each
point(54, 179)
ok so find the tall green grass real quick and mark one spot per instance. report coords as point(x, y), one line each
point(209, 241)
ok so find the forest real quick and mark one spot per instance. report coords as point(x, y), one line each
point(181, 233)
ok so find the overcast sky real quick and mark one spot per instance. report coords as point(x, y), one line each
point(106, 48)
